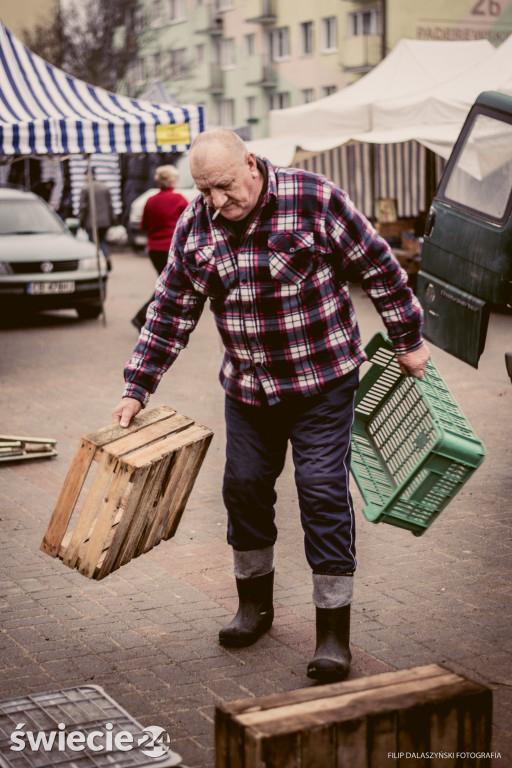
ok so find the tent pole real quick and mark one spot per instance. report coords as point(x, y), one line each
point(94, 225)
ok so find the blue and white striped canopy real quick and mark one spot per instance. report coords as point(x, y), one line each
point(45, 111)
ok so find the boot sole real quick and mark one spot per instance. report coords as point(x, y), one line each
point(333, 675)
point(233, 640)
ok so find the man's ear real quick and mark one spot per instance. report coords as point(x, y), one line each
point(253, 165)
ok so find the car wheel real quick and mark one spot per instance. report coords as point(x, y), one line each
point(88, 311)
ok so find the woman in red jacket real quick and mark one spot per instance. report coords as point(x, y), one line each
point(159, 219)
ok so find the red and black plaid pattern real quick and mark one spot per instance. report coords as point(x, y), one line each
point(280, 297)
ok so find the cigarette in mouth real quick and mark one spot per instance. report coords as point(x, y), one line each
point(215, 214)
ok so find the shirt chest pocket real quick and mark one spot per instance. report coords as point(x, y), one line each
point(292, 256)
point(202, 270)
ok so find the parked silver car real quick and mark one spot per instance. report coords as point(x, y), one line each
point(42, 265)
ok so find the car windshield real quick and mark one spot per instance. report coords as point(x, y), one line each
point(21, 217)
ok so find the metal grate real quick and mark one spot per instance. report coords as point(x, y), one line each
point(85, 709)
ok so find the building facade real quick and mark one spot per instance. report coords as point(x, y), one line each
point(18, 15)
point(243, 58)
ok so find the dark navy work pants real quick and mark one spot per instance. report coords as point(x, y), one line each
point(318, 429)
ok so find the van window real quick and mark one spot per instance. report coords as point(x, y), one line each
point(481, 178)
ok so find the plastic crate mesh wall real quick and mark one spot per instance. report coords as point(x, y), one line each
point(403, 419)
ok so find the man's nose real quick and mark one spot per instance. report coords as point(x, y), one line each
point(218, 197)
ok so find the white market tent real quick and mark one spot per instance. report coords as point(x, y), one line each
point(372, 137)
point(45, 111)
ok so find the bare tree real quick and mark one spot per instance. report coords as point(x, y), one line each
point(94, 40)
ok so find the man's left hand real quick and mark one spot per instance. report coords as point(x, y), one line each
point(414, 363)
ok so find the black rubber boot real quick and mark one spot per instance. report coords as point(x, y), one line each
point(255, 612)
point(331, 662)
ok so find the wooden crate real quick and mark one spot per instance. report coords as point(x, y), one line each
point(385, 720)
point(139, 480)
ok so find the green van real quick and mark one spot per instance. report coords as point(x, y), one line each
point(466, 257)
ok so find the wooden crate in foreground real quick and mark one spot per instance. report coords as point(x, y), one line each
point(139, 480)
point(417, 717)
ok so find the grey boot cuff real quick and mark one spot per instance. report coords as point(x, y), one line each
point(256, 562)
point(332, 591)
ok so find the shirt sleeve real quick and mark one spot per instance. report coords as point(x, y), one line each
point(362, 256)
point(172, 317)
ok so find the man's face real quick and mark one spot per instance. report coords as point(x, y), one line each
point(230, 184)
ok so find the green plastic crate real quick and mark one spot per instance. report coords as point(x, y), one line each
point(412, 447)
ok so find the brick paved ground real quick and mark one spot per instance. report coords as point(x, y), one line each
point(147, 633)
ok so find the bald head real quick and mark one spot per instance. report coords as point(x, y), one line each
point(216, 140)
point(225, 172)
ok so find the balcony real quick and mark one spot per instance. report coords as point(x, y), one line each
point(361, 53)
point(215, 28)
point(268, 13)
point(266, 77)
point(216, 86)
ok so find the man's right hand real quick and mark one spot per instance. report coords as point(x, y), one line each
point(125, 410)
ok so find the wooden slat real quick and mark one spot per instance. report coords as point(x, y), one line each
point(140, 440)
point(351, 743)
point(90, 509)
point(275, 700)
point(381, 730)
point(318, 746)
point(162, 477)
point(104, 522)
point(444, 734)
point(156, 451)
point(146, 494)
point(283, 751)
point(184, 486)
point(413, 733)
point(109, 562)
point(68, 498)
point(350, 705)
point(114, 432)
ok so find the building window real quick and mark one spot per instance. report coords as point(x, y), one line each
point(200, 54)
point(328, 89)
point(329, 34)
point(225, 112)
point(364, 22)
point(308, 94)
point(227, 53)
point(176, 10)
point(139, 72)
point(250, 107)
point(250, 44)
point(306, 38)
point(157, 63)
point(177, 63)
point(140, 19)
point(224, 5)
point(278, 100)
point(156, 13)
point(279, 43)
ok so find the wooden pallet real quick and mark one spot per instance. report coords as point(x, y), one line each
point(139, 480)
point(371, 721)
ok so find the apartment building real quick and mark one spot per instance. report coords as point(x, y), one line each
point(18, 15)
point(243, 58)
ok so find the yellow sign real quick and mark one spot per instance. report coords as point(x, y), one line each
point(173, 133)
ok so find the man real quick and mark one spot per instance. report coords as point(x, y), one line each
point(273, 249)
point(103, 210)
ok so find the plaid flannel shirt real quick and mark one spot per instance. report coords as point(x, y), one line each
point(280, 297)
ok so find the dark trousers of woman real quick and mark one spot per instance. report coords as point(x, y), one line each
point(318, 429)
point(159, 260)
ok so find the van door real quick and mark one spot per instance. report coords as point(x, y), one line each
point(466, 258)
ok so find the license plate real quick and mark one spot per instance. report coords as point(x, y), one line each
point(62, 286)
